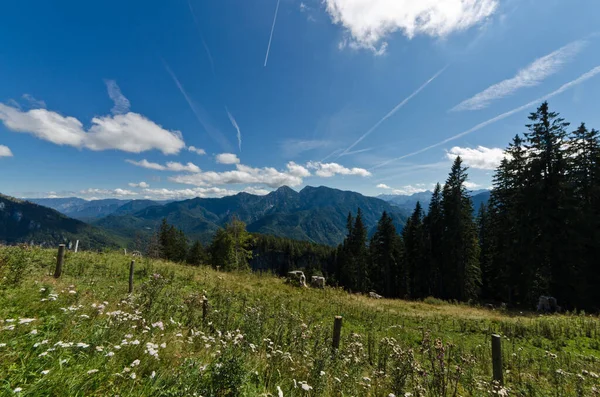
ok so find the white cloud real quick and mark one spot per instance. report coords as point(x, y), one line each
point(227, 158)
point(243, 174)
point(196, 150)
point(481, 157)
point(410, 189)
point(106, 192)
point(129, 132)
point(327, 170)
point(143, 185)
point(297, 170)
point(471, 185)
point(5, 151)
point(530, 76)
point(383, 186)
point(34, 103)
point(114, 92)
point(235, 125)
point(170, 166)
point(369, 22)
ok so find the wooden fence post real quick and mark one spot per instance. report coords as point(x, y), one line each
point(337, 332)
point(60, 260)
point(131, 276)
point(497, 358)
point(76, 245)
point(204, 308)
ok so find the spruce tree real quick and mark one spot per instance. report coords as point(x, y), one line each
point(460, 270)
point(434, 229)
point(414, 282)
point(386, 255)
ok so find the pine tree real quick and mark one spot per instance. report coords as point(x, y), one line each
point(548, 203)
point(197, 255)
point(359, 252)
point(434, 230)
point(460, 271)
point(414, 278)
point(231, 248)
point(385, 251)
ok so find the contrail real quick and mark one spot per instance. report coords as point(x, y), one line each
point(235, 125)
point(356, 152)
point(210, 58)
point(336, 151)
point(213, 132)
point(393, 111)
point(563, 88)
point(271, 37)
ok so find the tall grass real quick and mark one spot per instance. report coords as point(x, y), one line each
point(84, 335)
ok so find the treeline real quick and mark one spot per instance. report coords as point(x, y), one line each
point(234, 248)
point(538, 235)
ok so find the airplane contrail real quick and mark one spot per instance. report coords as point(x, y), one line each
point(271, 36)
point(393, 111)
point(199, 112)
point(479, 126)
point(208, 54)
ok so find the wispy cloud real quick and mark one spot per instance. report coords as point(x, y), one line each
point(170, 166)
point(235, 125)
point(208, 54)
point(383, 186)
point(5, 151)
point(295, 147)
point(530, 76)
point(271, 36)
point(34, 103)
point(196, 150)
point(584, 77)
point(393, 111)
point(114, 92)
point(200, 114)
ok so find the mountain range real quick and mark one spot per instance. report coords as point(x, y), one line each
point(317, 214)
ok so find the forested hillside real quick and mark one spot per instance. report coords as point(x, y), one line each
point(316, 214)
point(22, 221)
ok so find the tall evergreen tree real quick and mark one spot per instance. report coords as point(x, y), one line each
point(460, 269)
point(414, 282)
point(434, 230)
point(385, 250)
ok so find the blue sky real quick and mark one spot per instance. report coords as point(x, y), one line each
point(178, 99)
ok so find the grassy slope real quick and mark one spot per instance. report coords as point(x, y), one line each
point(286, 336)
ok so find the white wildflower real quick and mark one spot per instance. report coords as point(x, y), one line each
point(306, 387)
point(133, 375)
point(82, 345)
point(110, 354)
point(34, 332)
point(135, 342)
point(99, 348)
point(26, 320)
point(135, 363)
point(163, 345)
point(92, 371)
point(45, 372)
point(153, 374)
point(322, 373)
point(4, 344)
point(72, 291)
point(128, 336)
point(159, 324)
point(42, 289)
point(279, 392)
point(17, 390)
